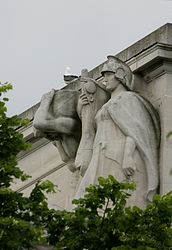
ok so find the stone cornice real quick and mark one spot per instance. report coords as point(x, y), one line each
point(150, 57)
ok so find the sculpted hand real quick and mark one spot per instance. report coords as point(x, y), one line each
point(83, 99)
point(71, 165)
point(82, 160)
point(82, 165)
point(129, 167)
point(38, 133)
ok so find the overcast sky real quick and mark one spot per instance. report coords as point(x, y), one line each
point(40, 38)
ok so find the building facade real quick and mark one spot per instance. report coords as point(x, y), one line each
point(150, 60)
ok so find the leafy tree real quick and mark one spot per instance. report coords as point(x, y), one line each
point(99, 221)
point(102, 221)
point(21, 218)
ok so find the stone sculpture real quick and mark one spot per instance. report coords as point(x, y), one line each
point(87, 115)
point(127, 136)
point(56, 119)
point(119, 137)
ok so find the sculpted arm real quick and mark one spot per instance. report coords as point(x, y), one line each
point(45, 122)
point(63, 130)
point(62, 125)
point(128, 165)
point(84, 153)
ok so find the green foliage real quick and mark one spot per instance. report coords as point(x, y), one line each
point(21, 218)
point(11, 142)
point(169, 134)
point(99, 221)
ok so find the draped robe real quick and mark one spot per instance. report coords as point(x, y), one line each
point(126, 114)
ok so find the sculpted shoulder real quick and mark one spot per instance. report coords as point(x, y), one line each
point(126, 98)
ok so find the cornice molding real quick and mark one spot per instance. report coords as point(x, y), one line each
point(150, 56)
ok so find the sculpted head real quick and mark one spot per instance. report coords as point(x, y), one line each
point(119, 72)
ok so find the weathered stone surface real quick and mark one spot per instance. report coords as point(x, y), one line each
point(112, 141)
point(151, 61)
point(57, 120)
point(126, 137)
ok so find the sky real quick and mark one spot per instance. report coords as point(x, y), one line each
point(40, 38)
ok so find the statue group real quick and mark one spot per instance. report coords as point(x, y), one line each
point(116, 134)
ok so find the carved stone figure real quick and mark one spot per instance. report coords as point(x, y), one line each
point(127, 135)
point(87, 115)
point(119, 136)
point(57, 120)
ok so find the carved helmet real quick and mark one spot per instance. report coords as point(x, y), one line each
point(121, 70)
